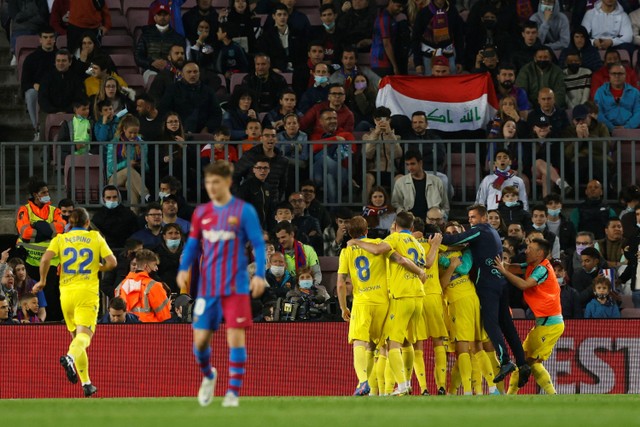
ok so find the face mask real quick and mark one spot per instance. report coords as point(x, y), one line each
point(277, 270)
point(545, 7)
point(505, 170)
point(573, 68)
point(507, 84)
point(511, 204)
point(580, 248)
point(45, 199)
point(162, 195)
point(360, 85)
point(329, 26)
point(561, 281)
point(173, 243)
point(89, 72)
point(111, 205)
point(306, 284)
point(162, 28)
point(543, 65)
point(554, 212)
point(66, 218)
point(592, 270)
point(538, 227)
point(490, 24)
point(321, 80)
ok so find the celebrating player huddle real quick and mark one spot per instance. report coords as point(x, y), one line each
point(407, 290)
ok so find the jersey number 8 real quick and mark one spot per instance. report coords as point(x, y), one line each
point(362, 267)
point(86, 256)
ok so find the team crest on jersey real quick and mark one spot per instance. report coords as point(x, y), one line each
point(233, 221)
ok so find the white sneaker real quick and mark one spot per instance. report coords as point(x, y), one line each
point(230, 400)
point(207, 389)
point(14, 61)
point(36, 136)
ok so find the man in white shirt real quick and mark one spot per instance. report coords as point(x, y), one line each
point(490, 189)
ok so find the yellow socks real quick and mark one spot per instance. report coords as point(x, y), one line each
point(408, 356)
point(476, 375)
point(397, 366)
point(380, 368)
point(78, 351)
point(389, 379)
point(440, 368)
point(543, 378)
point(371, 373)
point(455, 379)
point(513, 382)
point(495, 366)
point(418, 366)
point(464, 365)
point(360, 362)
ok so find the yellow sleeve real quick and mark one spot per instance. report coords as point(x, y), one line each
point(343, 263)
point(54, 246)
point(105, 250)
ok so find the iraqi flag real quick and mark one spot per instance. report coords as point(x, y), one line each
point(453, 103)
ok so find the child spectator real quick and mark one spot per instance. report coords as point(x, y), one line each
point(489, 192)
point(222, 134)
point(511, 207)
point(78, 129)
point(231, 58)
point(569, 298)
point(28, 312)
point(105, 127)
point(283, 212)
point(602, 306)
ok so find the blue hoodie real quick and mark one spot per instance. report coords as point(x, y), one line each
point(608, 310)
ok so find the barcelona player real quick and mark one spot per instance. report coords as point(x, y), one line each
point(405, 289)
point(220, 231)
point(80, 252)
point(542, 294)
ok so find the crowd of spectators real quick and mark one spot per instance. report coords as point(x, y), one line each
point(544, 57)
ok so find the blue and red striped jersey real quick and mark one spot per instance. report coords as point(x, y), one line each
point(220, 235)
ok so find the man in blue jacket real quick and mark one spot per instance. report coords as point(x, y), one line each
point(618, 102)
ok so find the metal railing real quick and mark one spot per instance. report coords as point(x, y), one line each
point(82, 176)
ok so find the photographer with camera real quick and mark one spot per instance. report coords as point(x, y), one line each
point(304, 302)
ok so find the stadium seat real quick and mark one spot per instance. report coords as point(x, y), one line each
point(364, 59)
point(518, 313)
point(61, 42)
point(627, 301)
point(149, 82)
point(117, 43)
point(630, 313)
point(53, 123)
point(464, 15)
point(137, 18)
point(223, 81)
point(86, 171)
point(629, 153)
point(114, 5)
point(463, 165)
point(119, 25)
point(307, 4)
point(24, 46)
point(135, 82)
point(329, 269)
point(236, 80)
point(288, 77)
point(201, 137)
point(125, 63)
point(134, 4)
point(188, 4)
point(313, 13)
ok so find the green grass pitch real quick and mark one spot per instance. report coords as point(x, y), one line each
point(481, 411)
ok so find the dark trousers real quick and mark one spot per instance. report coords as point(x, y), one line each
point(51, 291)
point(496, 318)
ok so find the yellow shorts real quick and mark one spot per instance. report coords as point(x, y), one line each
point(540, 341)
point(432, 324)
point(367, 322)
point(80, 308)
point(402, 321)
point(466, 324)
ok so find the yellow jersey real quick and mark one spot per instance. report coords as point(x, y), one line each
point(80, 252)
point(432, 285)
point(402, 282)
point(460, 285)
point(368, 273)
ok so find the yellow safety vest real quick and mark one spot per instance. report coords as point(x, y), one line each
point(36, 250)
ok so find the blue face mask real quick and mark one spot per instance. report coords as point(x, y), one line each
point(511, 204)
point(554, 212)
point(545, 7)
point(320, 80)
point(173, 243)
point(306, 284)
point(329, 26)
point(538, 227)
point(45, 199)
point(111, 205)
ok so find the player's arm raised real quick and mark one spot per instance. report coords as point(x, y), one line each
point(372, 248)
point(342, 296)
point(516, 281)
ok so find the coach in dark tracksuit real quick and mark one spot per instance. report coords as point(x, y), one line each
point(491, 287)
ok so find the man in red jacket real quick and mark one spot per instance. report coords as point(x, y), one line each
point(310, 122)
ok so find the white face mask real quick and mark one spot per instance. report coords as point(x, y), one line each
point(306, 284)
point(162, 28)
point(277, 270)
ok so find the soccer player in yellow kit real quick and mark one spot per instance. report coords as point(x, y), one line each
point(433, 323)
point(405, 289)
point(541, 292)
point(80, 252)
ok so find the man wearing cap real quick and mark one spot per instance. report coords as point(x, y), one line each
point(618, 101)
point(486, 61)
point(170, 213)
point(440, 67)
point(556, 117)
point(156, 41)
point(584, 126)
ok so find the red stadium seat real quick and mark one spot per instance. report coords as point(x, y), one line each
point(329, 268)
point(24, 46)
point(288, 77)
point(86, 170)
point(468, 169)
point(117, 43)
point(53, 123)
point(61, 42)
point(119, 25)
point(518, 313)
point(630, 313)
point(125, 63)
point(188, 4)
point(236, 80)
point(135, 4)
point(629, 153)
point(135, 82)
point(114, 5)
point(137, 18)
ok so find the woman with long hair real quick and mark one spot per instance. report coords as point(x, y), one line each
point(361, 100)
point(171, 156)
point(379, 213)
point(121, 98)
point(24, 285)
point(495, 221)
